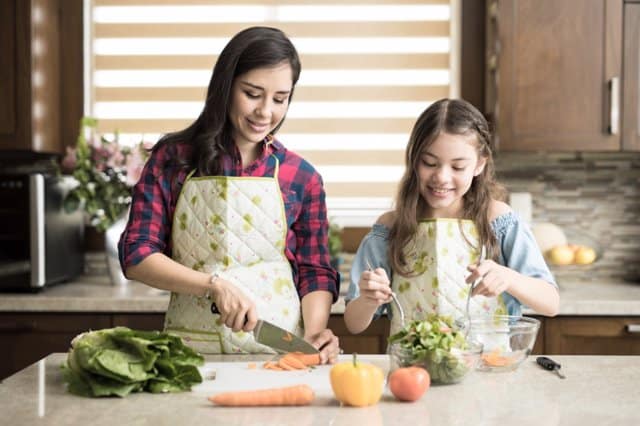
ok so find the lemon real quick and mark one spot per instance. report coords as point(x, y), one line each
point(561, 255)
point(585, 255)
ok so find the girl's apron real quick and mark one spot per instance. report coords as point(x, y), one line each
point(235, 227)
point(440, 254)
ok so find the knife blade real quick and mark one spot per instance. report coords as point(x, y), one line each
point(277, 338)
point(280, 339)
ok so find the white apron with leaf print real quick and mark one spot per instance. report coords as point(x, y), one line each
point(440, 257)
point(235, 227)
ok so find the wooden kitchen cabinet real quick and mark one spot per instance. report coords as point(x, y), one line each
point(592, 336)
point(555, 77)
point(631, 77)
point(41, 69)
point(27, 337)
point(30, 114)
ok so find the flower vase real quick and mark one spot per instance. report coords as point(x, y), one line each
point(111, 238)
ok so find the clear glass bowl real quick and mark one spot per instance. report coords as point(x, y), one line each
point(507, 340)
point(450, 367)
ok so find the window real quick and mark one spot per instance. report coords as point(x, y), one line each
point(369, 68)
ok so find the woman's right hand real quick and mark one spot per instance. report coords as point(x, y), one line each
point(375, 287)
point(237, 311)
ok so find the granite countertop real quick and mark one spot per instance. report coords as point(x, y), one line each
point(598, 390)
point(92, 293)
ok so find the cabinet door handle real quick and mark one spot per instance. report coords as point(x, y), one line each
point(614, 107)
point(633, 328)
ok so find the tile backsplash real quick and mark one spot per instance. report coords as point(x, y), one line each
point(592, 196)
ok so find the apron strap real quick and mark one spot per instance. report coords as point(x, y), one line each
point(277, 166)
point(190, 174)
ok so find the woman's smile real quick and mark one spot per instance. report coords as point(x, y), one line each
point(258, 127)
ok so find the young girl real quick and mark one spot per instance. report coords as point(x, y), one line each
point(224, 213)
point(429, 249)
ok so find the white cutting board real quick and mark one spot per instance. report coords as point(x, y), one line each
point(233, 376)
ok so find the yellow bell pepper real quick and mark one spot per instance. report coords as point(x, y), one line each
point(356, 383)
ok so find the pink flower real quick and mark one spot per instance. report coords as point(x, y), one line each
point(134, 164)
point(69, 160)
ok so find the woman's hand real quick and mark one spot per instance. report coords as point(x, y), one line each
point(495, 278)
point(237, 311)
point(375, 287)
point(328, 344)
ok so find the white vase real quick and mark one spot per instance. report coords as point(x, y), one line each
point(111, 238)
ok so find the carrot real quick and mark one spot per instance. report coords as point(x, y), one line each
point(282, 363)
point(494, 359)
point(251, 366)
point(271, 365)
point(291, 361)
point(306, 359)
point(290, 395)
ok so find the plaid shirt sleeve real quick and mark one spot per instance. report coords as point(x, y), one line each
point(153, 203)
point(307, 242)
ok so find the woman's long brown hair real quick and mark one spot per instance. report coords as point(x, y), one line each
point(210, 135)
point(455, 117)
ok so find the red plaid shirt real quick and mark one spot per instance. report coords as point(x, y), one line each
point(156, 194)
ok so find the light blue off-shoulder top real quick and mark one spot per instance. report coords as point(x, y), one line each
point(518, 251)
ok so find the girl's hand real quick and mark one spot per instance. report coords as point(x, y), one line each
point(328, 344)
point(495, 278)
point(375, 287)
point(237, 311)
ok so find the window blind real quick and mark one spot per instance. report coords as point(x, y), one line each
point(369, 68)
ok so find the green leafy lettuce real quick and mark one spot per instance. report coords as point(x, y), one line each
point(118, 361)
point(434, 343)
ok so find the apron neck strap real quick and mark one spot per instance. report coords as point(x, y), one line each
point(277, 166)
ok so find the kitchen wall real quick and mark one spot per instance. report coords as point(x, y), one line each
point(590, 196)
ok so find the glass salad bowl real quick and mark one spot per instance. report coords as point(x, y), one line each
point(507, 340)
point(436, 345)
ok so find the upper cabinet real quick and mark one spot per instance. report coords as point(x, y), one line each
point(631, 77)
point(30, 76)
point(563, 75)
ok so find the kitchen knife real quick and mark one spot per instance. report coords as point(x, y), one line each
point(277, 338)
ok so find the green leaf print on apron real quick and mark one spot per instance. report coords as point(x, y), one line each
point(235, 227)
point(440, 253)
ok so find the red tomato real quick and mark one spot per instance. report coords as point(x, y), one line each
point(409, 383)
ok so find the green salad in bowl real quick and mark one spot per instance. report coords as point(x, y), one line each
point(437, 345)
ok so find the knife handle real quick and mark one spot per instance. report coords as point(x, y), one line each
point(215, 310)
point(547, 363)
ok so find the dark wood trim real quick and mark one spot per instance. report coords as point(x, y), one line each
point(630, 84)
point(71, 70)
point(472, 62)
point(7, 69)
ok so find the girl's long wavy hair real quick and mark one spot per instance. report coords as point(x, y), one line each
point(455, 117)
point(211, 133)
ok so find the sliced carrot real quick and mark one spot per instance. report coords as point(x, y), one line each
point(292, 362)
point(289, 395)
point(252, 366)
point(271, 365)
point(494, 359)
point(306, 359)
point(282, 363)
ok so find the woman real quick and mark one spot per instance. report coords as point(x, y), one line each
point(224, 213)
